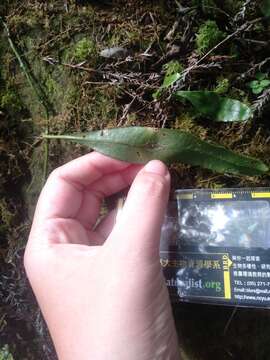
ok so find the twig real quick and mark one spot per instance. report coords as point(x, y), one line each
point(230, 320)
point(184, 10)
point(208, 66)
point(78, 66)
point(126, 111)
point(242, 12)
point(257, 42)
point(99, 83)
point(81, 67)
point(172, 31)
point(262, 101)
point(66, 6)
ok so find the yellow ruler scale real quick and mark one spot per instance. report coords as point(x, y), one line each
point(260, 195)
point(221, 196)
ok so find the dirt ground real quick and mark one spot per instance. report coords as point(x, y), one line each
point(55, 78)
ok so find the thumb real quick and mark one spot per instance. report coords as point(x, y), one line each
point(136, 234)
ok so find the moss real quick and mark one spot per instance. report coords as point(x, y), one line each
point(133, 36)
point(124, 37)
point(51, 86)
point(173, 67)
point(114, 40)
point(101, 109)
point(128, 34)
point(223, 85)
point(186, 122)
point(10, 100)
point(107, 102)
point(83, 15)
point(72, 94)
point(83, 49)
point(80, 50)
point(26, 21)
point(208, 36)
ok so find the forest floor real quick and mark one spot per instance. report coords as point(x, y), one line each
point(90, 65)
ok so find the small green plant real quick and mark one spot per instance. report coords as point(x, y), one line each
point(173, 71)
point(223, 85)
point(173, 67)
point(5, 354)
point(262, 82)
point(83, 49)
point(216, 107)
point(208, 36)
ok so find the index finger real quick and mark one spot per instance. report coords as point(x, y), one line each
point(63, 193)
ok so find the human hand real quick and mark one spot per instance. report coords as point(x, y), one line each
point(101, 289)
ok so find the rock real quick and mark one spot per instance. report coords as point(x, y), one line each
point(114, 52)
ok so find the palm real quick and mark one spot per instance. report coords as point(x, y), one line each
point(119, 295)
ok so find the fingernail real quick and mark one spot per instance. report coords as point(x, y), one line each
point(157, 167)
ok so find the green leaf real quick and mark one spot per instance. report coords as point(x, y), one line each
point(167, 82)
point(260, 76)
point(170, 80)
point(265, 83)
point(254, 84)
point(173, 70)
point(215, 107)
point(173, 67)
point(141, 144)
point(257, 90)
